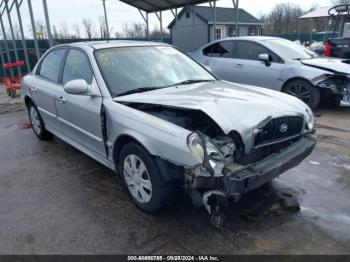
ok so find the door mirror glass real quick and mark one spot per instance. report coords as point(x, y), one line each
point(265, 58)
point(77, 87)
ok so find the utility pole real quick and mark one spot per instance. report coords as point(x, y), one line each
point(106, 19)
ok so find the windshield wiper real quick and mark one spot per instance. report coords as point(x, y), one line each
point(192, 81)
point(137, 90)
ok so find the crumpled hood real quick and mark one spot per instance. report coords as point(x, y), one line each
point(234, 107)
point(329, 64)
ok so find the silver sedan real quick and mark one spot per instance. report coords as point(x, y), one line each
point(281, 65)
point(161, 121)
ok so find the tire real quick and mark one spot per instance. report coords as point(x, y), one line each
point(305, 91)
point(13, 93)
point(141, 176)
point(37, 123)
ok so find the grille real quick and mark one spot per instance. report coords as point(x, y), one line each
point(279, 128)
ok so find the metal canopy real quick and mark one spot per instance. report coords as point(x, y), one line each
point(151, 6)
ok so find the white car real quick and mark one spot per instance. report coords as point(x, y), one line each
point(278, 64)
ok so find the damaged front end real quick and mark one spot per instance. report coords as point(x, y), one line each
point(226, 168)
point(337, 84)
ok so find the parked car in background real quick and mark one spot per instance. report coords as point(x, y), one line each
point(278, 64)
point(159, 119)
point(338, 47)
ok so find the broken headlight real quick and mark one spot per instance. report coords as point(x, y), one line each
point(195, 144)
point(336, 83)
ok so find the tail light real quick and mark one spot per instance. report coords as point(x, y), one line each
point(328, 49)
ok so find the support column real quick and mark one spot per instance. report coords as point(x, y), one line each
point(37, 52)
point(24, 45)
point(177, 31)
point(106, 19)
point(6, 44)
point(147, 26)
point(161, 25)
point(214, 28)
point(236, 6)
point(48, 26)
point(193, 28)
point(19, 71)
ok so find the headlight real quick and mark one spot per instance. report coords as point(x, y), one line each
point(195, 144)
point(310, 119)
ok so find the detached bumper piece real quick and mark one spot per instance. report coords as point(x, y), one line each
point(254, 176)
point(237, 183)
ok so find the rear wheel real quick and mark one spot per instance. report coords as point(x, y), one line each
point(37, 123)
point(143, 180)
point(305, 91)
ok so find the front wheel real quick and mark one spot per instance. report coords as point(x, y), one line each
point(37, 123)
point(305, 91)
point(143, 180)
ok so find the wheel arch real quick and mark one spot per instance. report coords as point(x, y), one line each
point(27, 100)
point(168, 171)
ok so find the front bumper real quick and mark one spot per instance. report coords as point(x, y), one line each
point(256, 175)
point(240, 181)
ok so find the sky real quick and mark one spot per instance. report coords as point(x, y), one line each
point(73, 11)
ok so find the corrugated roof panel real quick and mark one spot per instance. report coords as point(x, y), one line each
point(161, 5)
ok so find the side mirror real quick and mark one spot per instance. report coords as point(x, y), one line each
point(266, 58)
point(77, 87)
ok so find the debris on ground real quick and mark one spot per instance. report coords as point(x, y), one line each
point(9, 104)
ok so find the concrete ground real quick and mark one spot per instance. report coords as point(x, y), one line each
point(56, 200)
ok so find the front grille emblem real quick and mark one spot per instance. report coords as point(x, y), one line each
point(283, 128)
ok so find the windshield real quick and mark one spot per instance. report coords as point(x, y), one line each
point(128, 69)
point(290, 50)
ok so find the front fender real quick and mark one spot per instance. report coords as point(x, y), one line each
point(159, 137)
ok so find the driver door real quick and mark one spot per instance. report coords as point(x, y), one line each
point(80, 115)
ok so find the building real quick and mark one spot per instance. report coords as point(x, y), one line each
point(189, 32)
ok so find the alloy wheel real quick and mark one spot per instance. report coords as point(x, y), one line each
point(300, 91)
point(34, 119)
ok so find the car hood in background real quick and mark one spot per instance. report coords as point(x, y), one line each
point(234, 107)
point(329, 64)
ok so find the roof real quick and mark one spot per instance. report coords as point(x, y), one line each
point(115, 43)
point(162, 5)
point(223, 15)
point(319, 12)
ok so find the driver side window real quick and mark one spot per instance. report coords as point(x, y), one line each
point(77, 66)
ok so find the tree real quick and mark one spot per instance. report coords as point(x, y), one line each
point(134, 30)
point(63, 31)
point(76, 30)
point(89, 27)
point(103, 27)
point(282, 19)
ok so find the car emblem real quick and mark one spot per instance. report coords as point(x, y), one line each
point(283, 128)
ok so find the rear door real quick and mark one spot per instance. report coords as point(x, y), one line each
point(45, 86)
point(250, 70)
point(218, 57)
point(80, 115)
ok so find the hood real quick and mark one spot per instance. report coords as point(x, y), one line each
point(234, 107)
point(333, 65)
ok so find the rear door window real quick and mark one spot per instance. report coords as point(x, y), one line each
point(50, 67)
point(221, 49)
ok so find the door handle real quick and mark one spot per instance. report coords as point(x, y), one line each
point(206, 62)
point(238, 66)
point(61, 99)
point(33, 89)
